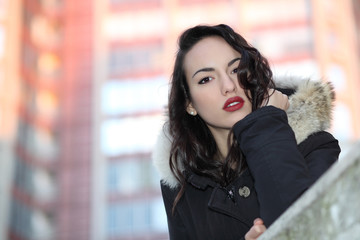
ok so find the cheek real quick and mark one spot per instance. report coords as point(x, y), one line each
point(248, 108)
point(203, 102)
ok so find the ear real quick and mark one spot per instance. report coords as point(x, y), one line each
point(191, 110)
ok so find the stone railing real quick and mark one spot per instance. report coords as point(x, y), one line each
point(329, 210)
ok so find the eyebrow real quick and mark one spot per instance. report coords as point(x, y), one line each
point(212, 69)
point(233, 61)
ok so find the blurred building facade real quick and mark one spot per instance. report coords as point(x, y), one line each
point(336, 48)
point(51, 183)
point(9, 88)
point(93, 81)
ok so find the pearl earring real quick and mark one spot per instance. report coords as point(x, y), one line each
point(192, 113)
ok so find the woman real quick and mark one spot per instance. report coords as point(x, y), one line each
point(230, 158)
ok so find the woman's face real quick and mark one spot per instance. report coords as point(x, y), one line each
point(211, 74)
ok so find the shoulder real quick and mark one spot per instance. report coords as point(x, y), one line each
point(161, 158)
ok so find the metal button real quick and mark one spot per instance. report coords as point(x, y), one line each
point(244, 191)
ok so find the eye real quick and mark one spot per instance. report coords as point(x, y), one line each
point(205, 80)
point(235, 70)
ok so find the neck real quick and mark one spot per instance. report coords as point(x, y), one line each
point(221, 139)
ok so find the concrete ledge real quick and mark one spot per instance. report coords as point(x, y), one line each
point(330, 209)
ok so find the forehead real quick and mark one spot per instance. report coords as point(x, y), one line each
point(209, 51)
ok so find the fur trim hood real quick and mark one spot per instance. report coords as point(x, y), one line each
point(310, 111)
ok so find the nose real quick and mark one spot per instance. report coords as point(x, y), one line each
point(228, 84)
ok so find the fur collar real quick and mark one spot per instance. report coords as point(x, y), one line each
point(309, 112)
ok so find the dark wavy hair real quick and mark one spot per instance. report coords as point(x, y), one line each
point(193, 146)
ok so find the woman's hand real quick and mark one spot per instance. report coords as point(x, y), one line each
point(277, 99)
point(256, 230)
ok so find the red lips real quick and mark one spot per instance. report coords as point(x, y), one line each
point(233, 104)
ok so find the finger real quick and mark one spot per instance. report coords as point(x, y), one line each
point(254, 232)
point(271, 92)
point(287, 103)
point(251, 234)
point(258, 221)
point(260, 228)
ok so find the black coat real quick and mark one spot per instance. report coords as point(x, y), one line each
point(279, 171)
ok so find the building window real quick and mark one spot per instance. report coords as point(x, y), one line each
point(44, 185)
point(147, 22)
point(124, 177)
point(42, 143)
point(42, 226)
point(130, 60)
point(36, 182)
point(48, 65)
point(40, 102)
point(130, 96)
point(44, 31)
point(130, 135)
point(47, 104)
point(38, 142)
point(30, 223)
point(132, 175)
point(136, 218)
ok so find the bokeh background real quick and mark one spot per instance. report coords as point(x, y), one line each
point(83, 87)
